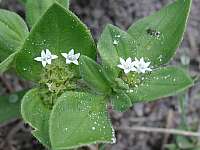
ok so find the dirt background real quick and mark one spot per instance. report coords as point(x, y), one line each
point(163, 113)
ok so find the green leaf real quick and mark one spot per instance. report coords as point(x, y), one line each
point(36, 114)
point(111, 51)
point(59, 30)
point(170, 23)
point(79, 119)
point(92, 74)
point(7, 63)
point(121, 102)
point(160, 83)
point(10, 106)
point(36, 8)
point(13, 32)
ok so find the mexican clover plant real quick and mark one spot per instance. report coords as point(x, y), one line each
point(67, 107)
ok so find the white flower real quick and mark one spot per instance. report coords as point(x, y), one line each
point(127, 65)
point(71, 57)
point(115, 42)
point(141, 65)
point(46, 57)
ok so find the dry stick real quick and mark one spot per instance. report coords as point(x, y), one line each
point(160, 130)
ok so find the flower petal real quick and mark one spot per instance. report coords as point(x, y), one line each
point(143, 70)
point(64, 55)
point(77, 56)
point(49, 61)
point(75, 62)
point(71, 52)
point(68, 61)
point(122, 61)
point(48, 53)
point(43, 54)
point(129, 61)
point(133, 69)
point(142, 60)
point(136, 60)
point(54, 56)
point(147, 64)
point(44, 63)
point(120, 66)
point(126, 71)
point(38, 58)
point(148, 69)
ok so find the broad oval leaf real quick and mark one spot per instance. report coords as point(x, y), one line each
point(79, 119)
point(160, 83)
point(36, 114)
point(157, 36)
point(92, 74)
point(13, 32)
point(113, 44)
point(36, 8)
point(59, 30)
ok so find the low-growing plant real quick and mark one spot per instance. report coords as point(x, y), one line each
point(67, 107)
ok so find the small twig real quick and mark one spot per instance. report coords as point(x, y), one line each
point(161, 130)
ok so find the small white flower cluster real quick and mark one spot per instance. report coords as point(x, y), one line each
point(47, 57)
point(139, 66)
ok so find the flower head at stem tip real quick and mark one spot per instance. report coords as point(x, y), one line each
point(127, 65)
point(71, 57)
point(139, 66)
point(46, 57)
point(142, 66)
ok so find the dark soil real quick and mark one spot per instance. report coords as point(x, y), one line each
point(166, 112)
